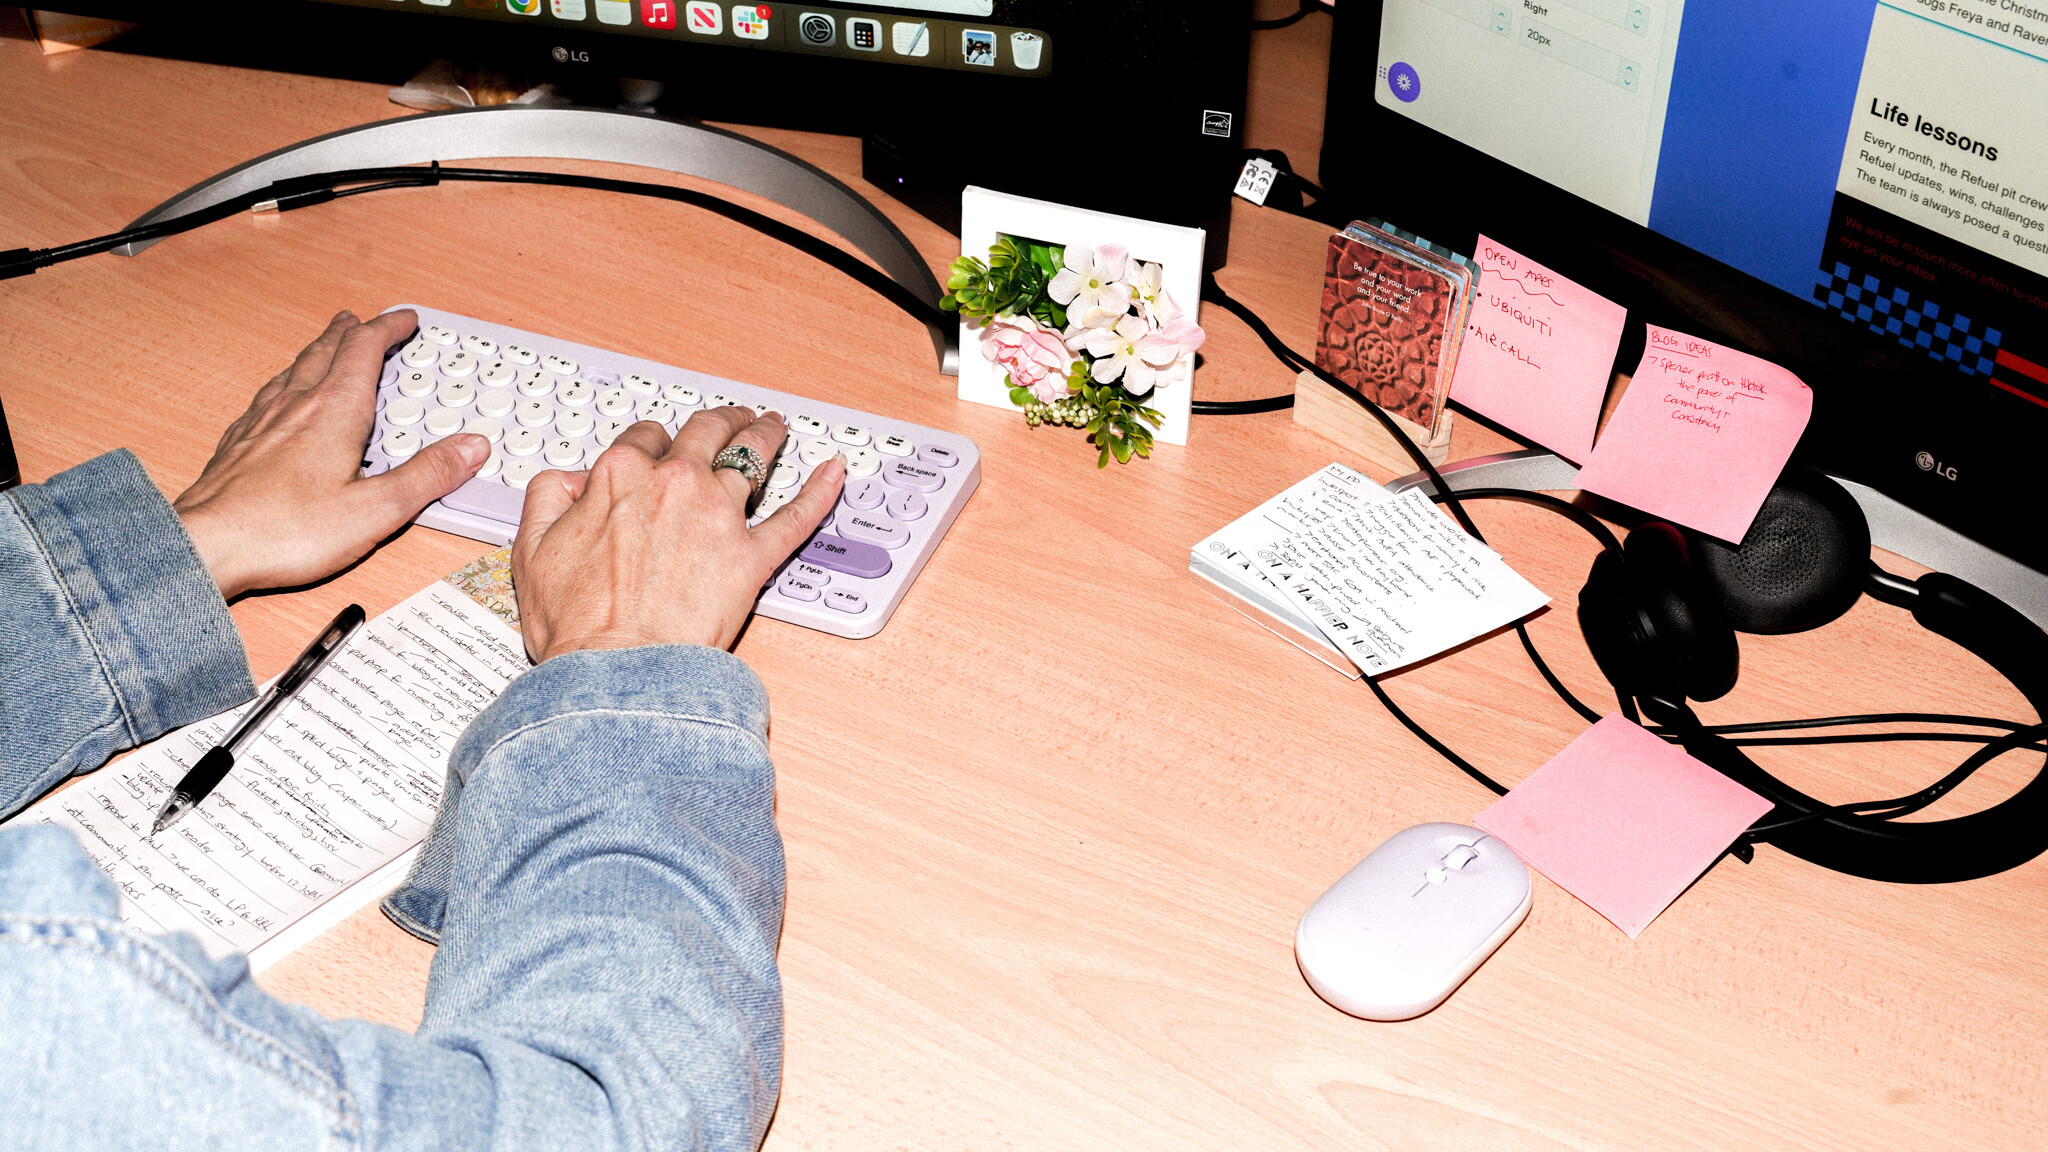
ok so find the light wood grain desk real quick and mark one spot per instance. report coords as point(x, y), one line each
point(1050, 831)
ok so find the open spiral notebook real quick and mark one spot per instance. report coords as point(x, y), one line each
point(326, 809)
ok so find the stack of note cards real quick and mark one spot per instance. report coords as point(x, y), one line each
point(324, 810)
point(1363, 580)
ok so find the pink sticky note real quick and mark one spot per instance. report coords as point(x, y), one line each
point(1540, 351)
point(1700, 436)
point(1623, 821)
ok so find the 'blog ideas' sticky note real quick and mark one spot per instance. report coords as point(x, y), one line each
point(1623, 820)
point(1700, 436)
point(1539, 352)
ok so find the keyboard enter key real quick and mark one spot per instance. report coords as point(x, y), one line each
point(869, 528)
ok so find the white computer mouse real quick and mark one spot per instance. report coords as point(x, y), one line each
point(1397, 934)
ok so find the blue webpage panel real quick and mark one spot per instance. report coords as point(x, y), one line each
point(1761, 102)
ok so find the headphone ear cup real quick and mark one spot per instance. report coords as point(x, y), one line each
point(1653, 624)
point(1801, 564)
point(1607, 619)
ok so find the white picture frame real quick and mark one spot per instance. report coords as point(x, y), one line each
point(985, 214)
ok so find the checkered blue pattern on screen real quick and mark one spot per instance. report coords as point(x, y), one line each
point(1914, 320)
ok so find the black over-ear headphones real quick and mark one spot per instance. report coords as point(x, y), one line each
point(1661, 613)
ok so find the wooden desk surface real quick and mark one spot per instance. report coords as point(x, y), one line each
point(1049, 833)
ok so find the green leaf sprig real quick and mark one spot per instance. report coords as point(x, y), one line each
point(1012, 283)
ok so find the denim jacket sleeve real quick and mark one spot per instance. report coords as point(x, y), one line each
point(608, 908)
point(111, 631)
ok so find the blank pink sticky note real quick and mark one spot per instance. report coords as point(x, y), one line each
point(1700, 436)
point(1540, 352)
point(1623, 821)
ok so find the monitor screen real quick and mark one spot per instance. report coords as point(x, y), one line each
point(1881, 164)
point(959, 35)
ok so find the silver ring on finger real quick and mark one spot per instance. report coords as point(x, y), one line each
point(745, 461)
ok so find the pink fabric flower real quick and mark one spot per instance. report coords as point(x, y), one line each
point(1036, 359)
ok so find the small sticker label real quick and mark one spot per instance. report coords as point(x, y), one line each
point(1216, 123)
point(1256, 181)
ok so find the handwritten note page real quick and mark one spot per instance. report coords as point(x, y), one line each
point(1253, 542)
point(1539, 353)
point(1700, 436)
point(343, 779)
point(1623, 820)
point(1395, 582)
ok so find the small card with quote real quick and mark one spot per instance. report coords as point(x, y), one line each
point(1540, 352)
point(1623, 820)
point(1700, 436)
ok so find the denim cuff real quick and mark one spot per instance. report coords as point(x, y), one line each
point(685, 682)
point(155, 617)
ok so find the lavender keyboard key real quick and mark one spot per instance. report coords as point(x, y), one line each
point(864, 492)
point(907, 505)
point(841, 555)
point(916, 477)
point(873, 528)
point(846, 600)
point(488, 497)
point(799, 588)
point(943, 457)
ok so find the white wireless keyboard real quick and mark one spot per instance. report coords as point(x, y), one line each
point(546, 403)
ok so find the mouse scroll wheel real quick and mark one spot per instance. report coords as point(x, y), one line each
point(1460, 856)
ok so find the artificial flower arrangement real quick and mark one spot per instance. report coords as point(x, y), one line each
point(1081, 334)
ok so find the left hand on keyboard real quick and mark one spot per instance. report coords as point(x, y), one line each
point(282, 502)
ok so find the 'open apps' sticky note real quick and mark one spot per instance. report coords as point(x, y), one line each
point(1539, 353)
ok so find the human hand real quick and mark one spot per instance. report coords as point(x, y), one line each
point(651, 546)
point(282, 502)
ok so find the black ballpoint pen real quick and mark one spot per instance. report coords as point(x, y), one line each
point(213, 767)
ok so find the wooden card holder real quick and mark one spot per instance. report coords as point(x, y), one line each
point(1318, 408)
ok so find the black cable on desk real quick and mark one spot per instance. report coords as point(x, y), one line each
point(318, 188)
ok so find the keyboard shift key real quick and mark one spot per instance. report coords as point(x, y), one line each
point(849, 556)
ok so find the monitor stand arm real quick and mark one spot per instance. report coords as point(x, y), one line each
point(592, 134)
point(1893, 526)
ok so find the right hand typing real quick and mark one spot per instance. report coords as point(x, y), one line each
point(651, 546)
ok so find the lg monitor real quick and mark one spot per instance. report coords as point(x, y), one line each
point(1856, 189)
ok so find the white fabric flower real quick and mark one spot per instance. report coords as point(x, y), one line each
point(1149, 290)
point(1081, 323)
point(1093, 278)
point(1117, 354)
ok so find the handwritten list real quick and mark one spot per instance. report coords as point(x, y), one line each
point(1539, 352)
point(340, 784)
point(1700, 436)
point(1394, 582)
